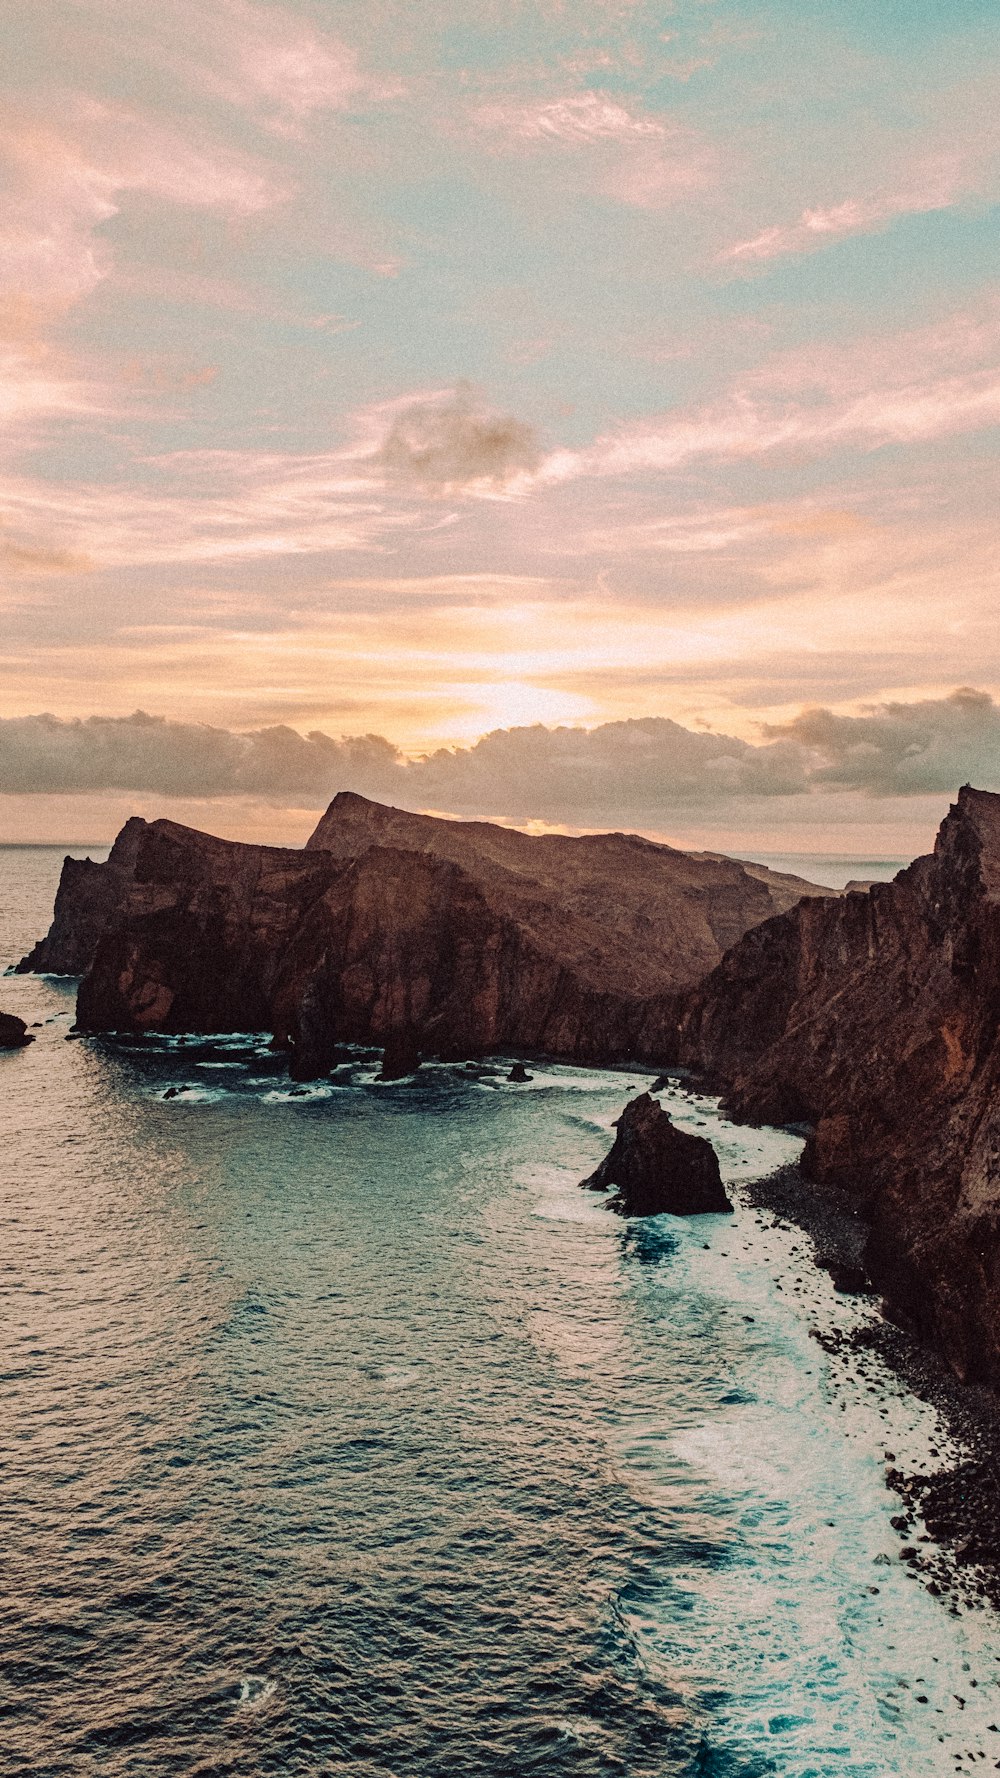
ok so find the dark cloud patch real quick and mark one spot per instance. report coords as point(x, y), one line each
point(623, 773)
point(43, 754)
point(454, 442)
point(642, 773)
point(902, 749)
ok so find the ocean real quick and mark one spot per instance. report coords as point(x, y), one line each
point(342, 1432)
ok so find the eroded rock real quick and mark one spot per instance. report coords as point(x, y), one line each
point(14, 1033)
point(657, 1168)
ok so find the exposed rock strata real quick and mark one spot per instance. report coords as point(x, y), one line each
point(465, 937)
point(874, 1019)
point(658, 1168)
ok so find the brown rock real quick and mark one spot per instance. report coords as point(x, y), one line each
point(89, 897)
point(400, 1056)
point(874, 1019)
point(14, 1033)
point(658, 1168)
point(471, 937)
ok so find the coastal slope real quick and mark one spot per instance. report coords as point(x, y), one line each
point(874, 1019)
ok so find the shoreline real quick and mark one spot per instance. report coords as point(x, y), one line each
point(949, 1517)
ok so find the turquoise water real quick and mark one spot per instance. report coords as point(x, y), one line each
point(341, 1431)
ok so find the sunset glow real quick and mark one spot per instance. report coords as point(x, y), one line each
point(493, 368)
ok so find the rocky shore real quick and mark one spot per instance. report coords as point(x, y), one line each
point(949, 1514)
point(873, 1018)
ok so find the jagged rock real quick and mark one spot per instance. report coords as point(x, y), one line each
point(14, 1033)
point(874, 1019)
point(658, 1168)
point(519, 1074)
point(474, 938)
point(89, 897)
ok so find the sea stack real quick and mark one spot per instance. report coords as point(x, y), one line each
point(657, 1168)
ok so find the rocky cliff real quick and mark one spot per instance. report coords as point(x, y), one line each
point(874, 1019)
point(457, 937)
point(89, 895)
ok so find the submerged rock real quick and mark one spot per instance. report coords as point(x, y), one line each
point(13, 1032)
point(658, 1168)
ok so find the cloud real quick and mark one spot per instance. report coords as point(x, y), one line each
point(64, 179)
point(900, 749)
point(44, 754)
point(275, 62)
point(639, 159)
point(449, 441)
point(267, 60)
point(62, 182)
point(579, 119)
point(35, 559)
point(641, 773)
point(824, 224)
point(906, 388)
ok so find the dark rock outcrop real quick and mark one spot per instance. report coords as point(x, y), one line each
point(658, 1168)
point(519, 1075)
point(400, 1056)
point(202, 936)
point(89, 897)
point(874, 1019)
point(14, 1033)
point(469, 937)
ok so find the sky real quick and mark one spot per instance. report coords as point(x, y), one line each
point(581, 413)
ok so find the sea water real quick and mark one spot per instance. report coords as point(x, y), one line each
point(341, 1431)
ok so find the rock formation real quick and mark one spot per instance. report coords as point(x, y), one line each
point(88, 897)
point(14, 1032)
point(463, 937)
point(874, 1019)
point(400, 1056)
point(658, 1168)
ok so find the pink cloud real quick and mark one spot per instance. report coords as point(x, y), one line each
point(642, 160)
point(918, 385)
point(63, 180)
point(268, 60)
point(579, 119)
point(938, 187)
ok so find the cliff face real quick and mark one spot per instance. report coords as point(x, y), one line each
point(89, 895)
point(462, 937)
point(875, 1019)
point(198, 941)
point(656, 917)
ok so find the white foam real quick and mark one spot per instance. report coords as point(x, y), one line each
point(805, 1640)
point(255, 1691)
